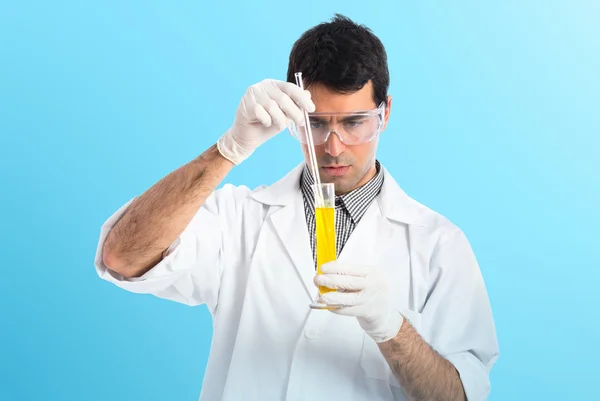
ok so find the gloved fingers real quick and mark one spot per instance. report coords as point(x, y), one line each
point(261, 115)
point(337, 267)
point(340, 282)
point(285, 102)
point(262, 98)
point(255, 102)
point(348, 310)
point(278, 117)
point(343, 298)
point(299, 96)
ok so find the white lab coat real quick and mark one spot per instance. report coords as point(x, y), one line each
point(246, 255)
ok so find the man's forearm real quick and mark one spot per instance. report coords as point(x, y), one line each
point(423, 373)
point(157, 217)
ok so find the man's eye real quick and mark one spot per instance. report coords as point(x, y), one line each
point(353, 123)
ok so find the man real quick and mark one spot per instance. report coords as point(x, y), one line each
point(415, 322)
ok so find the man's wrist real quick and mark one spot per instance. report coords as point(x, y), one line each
point(231, 150)
point(390, 329)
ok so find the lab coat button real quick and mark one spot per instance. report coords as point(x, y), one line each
point(312, 333)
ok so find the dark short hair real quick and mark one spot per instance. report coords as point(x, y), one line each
point(343, 56)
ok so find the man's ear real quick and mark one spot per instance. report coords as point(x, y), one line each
point(388, 110)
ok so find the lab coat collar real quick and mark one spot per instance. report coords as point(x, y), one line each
point(395, 204)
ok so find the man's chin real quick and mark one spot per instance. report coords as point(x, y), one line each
point(342, 185)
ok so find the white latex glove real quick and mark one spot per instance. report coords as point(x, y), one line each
point(263, 112)
point(363, 292)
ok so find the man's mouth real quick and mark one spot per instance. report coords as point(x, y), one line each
point(335, 171)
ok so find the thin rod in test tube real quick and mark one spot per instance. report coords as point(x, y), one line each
point(311, 148)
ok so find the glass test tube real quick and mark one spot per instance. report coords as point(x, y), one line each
point(325, 232)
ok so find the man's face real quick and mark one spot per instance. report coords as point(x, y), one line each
point(347, 166)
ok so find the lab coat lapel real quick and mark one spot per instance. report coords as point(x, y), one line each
point(290, 224)
point(288, 219)
point(375, 231)
point(369, 239)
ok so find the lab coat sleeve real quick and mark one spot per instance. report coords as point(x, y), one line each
point(457, 318)
point(190, 270)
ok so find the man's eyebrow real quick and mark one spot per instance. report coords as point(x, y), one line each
point(322, 119)
point(352, 118)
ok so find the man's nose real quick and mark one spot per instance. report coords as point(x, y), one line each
point(334, 146)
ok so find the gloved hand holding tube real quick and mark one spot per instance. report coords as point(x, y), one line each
point(364, 293)
point(263, 112)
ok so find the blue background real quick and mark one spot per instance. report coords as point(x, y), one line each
point(495, 124)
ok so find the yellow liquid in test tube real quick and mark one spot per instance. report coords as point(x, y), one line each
point(325, 236)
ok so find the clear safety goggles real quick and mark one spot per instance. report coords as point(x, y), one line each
point(352, 128)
